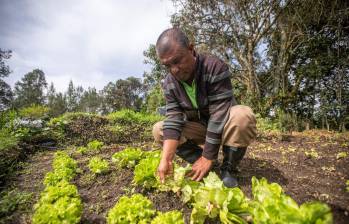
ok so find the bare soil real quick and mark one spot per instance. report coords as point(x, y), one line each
point(316, 176)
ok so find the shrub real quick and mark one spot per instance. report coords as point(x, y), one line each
point(7, 140)
point(132, 117)
point(6, 119)
point(80, 128)
point(266, 124)
point(118, 127)
point(129, 125)
point(9, 154)
point(12, 200)
point(34, 112)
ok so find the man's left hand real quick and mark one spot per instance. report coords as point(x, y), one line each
point(200, 168)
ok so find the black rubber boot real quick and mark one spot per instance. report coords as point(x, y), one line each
point(189, 151)
point(232, 158)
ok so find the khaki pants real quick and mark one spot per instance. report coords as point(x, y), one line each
point(239, 131)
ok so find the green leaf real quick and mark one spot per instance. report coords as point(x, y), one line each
point(98, 165)
point(172, 217)
point(127, 157)
point(134, 209)
point(271, 205)
point(145, 172)
point(58, 204)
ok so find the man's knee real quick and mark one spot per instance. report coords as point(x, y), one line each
point(157, 131)
point(240, 129)
point(242, 116)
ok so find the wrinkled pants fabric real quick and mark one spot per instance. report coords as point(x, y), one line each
point(239, 131)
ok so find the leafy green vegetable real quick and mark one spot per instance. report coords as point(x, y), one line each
point(82, 150)
point(172, 217)
point(212, 199)
point(145, 172)
point(64, 168)
point(53, 178)
point(188, 190)
point(127, 157)
point(347, 183)
point(63, 160)
point(98, 165)
point(95, 145)
point(176, 182)
point(341, 155)
point(58, 204)
point(272, 205)
point(135, 209)
point(152, 154)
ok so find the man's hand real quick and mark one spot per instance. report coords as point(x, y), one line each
point(200, 168)
point(165, 168)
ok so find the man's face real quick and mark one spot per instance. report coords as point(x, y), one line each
point(179, 61)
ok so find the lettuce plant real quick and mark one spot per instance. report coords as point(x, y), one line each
point(145, 172)
point(58, 204)
point(134, 209)
point(212, 199)
point(63, 160)
point(82, 150)
point(64, 168)
point(95, 145)
point(172, 217)
point(271, 205)
point(98, 165)
point(177, 181)
point(127, 157)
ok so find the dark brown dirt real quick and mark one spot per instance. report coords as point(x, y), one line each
point(304, 177)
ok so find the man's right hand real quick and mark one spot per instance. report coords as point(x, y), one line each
point(165, 168)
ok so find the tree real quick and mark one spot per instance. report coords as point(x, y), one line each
point(73, 97)
point(157, 73)
point(6, 95)
point(30, 90)
point(234, 31)
point(152, 81)
point(56, 102)
point(289, 58)
point(90, 101)
point(123, 94)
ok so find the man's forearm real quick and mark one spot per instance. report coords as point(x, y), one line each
point(169, 149)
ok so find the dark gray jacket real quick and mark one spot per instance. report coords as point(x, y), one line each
point(214, 99)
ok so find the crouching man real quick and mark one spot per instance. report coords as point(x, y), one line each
point(200, 110)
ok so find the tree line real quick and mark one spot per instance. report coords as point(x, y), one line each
point(33, 89)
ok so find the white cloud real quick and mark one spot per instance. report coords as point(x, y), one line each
point(91, 42)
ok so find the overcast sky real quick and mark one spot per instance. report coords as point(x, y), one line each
point(90, 42)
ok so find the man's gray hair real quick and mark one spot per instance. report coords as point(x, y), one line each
point(170, 36)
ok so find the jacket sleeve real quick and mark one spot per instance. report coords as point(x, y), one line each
point(220, 98)
point(174, 121)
